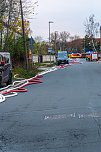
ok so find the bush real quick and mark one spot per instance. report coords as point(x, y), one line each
point(23, 73)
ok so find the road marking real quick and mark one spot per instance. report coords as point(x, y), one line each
point(2, 98)
point(72, 115)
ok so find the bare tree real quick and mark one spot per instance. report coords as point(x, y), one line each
point(91, 27)
point(16, 9)
point(64, 37)
point(91, 30)
point(55, 37)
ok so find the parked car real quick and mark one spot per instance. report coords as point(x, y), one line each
point(5, 68)
point(62, 58)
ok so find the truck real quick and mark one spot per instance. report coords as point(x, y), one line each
point(62, 58)
point(91, 56)
point(5, 69)
point(74, 55)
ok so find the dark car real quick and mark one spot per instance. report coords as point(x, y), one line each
point(5, 68)
point(62, 58)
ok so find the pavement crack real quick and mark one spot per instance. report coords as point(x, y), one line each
point(99, 127)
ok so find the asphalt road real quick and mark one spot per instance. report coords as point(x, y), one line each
point(63, 114)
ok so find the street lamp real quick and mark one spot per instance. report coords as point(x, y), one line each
point(50, 39)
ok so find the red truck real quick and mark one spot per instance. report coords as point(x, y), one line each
point(92, 56)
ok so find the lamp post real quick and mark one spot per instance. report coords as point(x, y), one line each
point(50, 39)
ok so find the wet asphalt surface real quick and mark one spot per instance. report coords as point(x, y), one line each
point(63, 114)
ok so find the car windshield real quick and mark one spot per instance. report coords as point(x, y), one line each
point(62, 55)
point(6, 57)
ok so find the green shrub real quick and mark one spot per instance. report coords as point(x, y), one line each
point(23, 73)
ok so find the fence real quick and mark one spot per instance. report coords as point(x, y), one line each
point(45, 58)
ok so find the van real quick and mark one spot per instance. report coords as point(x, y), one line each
point(62, 58)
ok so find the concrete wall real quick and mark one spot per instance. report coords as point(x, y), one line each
point(45, 58)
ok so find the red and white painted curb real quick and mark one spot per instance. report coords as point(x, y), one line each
point(19, 86)
point(12, 90)
point(63, 66)
point(75, 61)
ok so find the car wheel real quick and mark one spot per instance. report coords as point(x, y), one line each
point(0, 81)
point(67, 62)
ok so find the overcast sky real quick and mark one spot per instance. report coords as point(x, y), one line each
point(67, 15)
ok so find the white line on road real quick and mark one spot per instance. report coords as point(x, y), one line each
point(72, 115)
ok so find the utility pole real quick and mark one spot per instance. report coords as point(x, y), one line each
point(9, 20)
point(24, 37)
point(55, 42)
point(50, 39)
